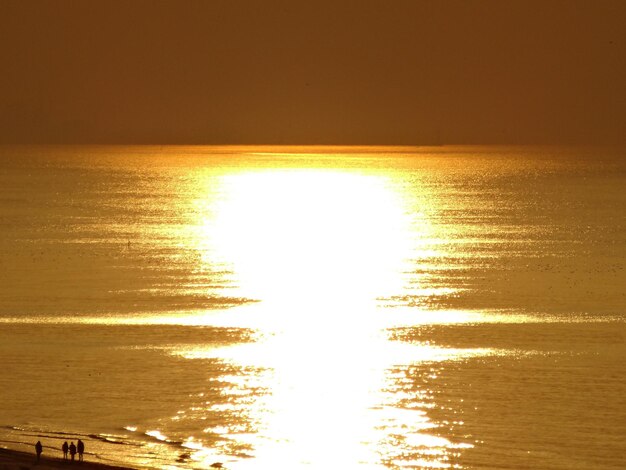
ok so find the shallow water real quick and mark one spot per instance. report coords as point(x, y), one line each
point(358, 308)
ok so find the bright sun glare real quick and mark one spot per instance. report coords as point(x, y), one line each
point(317, 248)
point(311, 237)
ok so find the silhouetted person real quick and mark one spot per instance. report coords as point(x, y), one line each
point(38, 449)
point(72, 451)
point(81, 448)
point(65, 449)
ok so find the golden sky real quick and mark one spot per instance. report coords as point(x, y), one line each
point(313, 72)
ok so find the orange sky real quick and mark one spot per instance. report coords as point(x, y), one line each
point(314, 72)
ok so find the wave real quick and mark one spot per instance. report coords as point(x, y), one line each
point(120, 449)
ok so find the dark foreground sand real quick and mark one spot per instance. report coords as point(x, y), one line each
point(15, 460)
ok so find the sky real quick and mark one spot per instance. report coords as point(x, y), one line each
point(313, 72)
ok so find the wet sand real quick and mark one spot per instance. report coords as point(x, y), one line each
point(15, 460)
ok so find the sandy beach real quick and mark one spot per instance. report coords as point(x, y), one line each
point(15, 460)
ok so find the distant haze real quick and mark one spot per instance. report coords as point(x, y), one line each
point(313, 72)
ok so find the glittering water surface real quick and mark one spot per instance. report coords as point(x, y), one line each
point(287, 308)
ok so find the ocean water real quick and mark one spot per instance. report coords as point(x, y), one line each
point(315, 307)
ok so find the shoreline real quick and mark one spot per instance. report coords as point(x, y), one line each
point(18, 460)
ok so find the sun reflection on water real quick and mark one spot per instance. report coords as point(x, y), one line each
point(304, 237)
point(333, 401)
point(318, 248)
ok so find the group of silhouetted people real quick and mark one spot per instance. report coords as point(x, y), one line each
point(71, 449)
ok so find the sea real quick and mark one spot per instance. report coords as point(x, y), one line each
point(257, 307)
